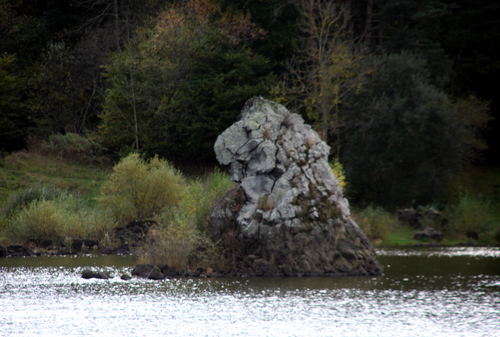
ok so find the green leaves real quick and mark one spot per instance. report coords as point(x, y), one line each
point(140, 190)
point(180, 83)
point(10, 92)
point(406, 141)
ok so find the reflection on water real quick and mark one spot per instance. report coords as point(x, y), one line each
point(425, 292)
point(442, 251)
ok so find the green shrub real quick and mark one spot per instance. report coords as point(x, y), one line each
point(23, 197)
point(180, 240)
point(375, 222)
point(471, 216)
point(177, 243)
point(56, 219)
point(172, 242)
point(140, 189)
point(405, 141)
point(41, 219)
point(203, 195)
point(338, 171)
point(72, 147)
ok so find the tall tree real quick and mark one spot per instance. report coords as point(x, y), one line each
point(182, 81)
point(12, 124)
point(406, 140)
point(322, 71)
point(476, 70)
point(418, 26)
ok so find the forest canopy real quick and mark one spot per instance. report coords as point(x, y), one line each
point(403, 91)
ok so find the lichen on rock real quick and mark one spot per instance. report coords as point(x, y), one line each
point(288, 215)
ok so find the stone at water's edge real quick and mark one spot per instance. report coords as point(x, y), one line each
point(288, 215)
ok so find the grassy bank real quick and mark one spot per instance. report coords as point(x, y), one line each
point(46, 198)
point(25, 169)
point(473, 216)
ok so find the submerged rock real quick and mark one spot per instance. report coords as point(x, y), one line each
point(88, 274)
point(125, 277)
point(150, 271)
point(288, 216)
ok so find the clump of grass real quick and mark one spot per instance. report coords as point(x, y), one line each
point(202, 195)
point(70, 146)
point(56, 219)
point(40, 220)
point(140, 189)
point(23, 197)
point(265, 204)
point(311, 139)
point(375, 222)
point(23, 169)
point(471, 217)
point(338, 171)
point(172, 242)
point(180, 238)
point(267, 132)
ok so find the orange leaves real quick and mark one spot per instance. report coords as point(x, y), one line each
point(240, 28)
point(234, 28)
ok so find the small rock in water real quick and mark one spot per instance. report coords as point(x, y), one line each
point(149, 271)
point(126, 277)
point(88, 274)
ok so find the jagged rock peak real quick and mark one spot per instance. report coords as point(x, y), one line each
point(293, 218)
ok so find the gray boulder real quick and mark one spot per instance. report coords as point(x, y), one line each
point(125, 277)
point(149, 271)
point(417, 218)
point(429, 233)
point(88, 274)
point(17, 250)
point(288, 215)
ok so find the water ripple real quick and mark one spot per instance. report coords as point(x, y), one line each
point(441, 251)
point(56, 301)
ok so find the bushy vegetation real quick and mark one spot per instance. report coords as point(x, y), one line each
point(141, 189)
point(472, 217)
point(375, 222)
point(202, 195)
point(398, 114)
point(57, 219)
point(138, 189)
point(338, 171)
point(154, 190)
point(405, 142)
point(23, 197)
point(172, 242)
point(70, 146)
point(469, 218)
point(181, 239)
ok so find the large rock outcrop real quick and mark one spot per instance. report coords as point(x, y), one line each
point(288, 215)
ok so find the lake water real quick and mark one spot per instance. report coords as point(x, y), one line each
point(424, 292)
